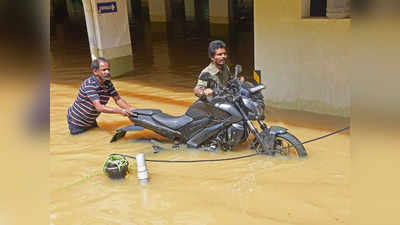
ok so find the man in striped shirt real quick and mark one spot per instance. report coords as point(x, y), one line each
point(92, 98)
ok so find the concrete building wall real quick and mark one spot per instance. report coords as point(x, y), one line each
point(304, 61)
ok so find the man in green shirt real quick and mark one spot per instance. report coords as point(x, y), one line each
point(217, 73)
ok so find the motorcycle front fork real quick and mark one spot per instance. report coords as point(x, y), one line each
point(264, 138)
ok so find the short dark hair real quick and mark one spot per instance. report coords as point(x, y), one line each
point(213, 46)
point(95, 65)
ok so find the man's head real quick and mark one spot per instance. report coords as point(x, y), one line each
point(101, 68)
point(217, 52)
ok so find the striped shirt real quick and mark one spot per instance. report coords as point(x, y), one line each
point(83, 113)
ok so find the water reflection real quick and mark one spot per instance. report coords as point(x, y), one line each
point(170, 45)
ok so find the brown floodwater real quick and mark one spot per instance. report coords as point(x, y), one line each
point(256, 190)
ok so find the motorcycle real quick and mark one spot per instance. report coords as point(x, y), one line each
point(223, 121)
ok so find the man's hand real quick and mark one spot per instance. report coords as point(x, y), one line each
point(123, 104)
point(208, 92)
point(125, 112)
point(130, 109)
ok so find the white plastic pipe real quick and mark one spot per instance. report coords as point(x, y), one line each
point(142, 174)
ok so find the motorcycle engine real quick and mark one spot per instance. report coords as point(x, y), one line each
point(233, 135)
point(236, 134)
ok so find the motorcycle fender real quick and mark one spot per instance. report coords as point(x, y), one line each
point(274, 130)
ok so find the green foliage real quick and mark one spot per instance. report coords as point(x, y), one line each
point(85, 177)
point(117, 160)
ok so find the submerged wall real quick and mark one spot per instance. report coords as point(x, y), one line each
point(304, 61)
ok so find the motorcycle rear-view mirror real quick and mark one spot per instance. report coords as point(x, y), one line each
point(238, 69)
point(257, 88)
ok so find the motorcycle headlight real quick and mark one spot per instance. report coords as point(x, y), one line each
point(255, 109)
point(260, 110)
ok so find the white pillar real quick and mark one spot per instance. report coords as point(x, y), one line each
point(305, 8)
point(108, 32)
point(338, 8)
point(219, 11)
point(160, 10)
point(190, 10)
point(129, 5)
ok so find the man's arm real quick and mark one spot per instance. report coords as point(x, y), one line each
point(206, 91)
point(201, 86)
point(105, 109)
point(95, 99)
point(122, 103)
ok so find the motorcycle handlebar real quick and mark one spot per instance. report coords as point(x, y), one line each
point(234, 90)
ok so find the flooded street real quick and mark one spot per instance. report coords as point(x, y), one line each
point(256, 190)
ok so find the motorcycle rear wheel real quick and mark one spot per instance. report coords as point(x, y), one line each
point(288, 145)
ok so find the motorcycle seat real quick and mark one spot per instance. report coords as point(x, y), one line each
point(173, 122)
point(147, 112)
